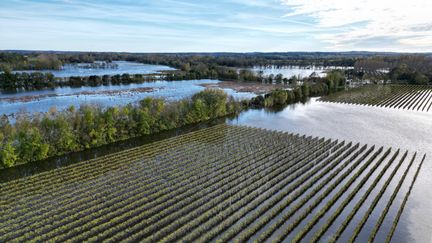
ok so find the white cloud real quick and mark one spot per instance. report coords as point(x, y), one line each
point(399, 24)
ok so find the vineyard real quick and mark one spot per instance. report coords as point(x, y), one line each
point(409, 97)
point(219, 184)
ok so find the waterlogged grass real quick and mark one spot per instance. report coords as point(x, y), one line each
point(220, 184)
point(409, 97)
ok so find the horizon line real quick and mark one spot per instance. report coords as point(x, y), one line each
point(212, 52)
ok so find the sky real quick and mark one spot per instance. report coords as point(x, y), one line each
point(216, 25)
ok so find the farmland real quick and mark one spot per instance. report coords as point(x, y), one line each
point(221, 183)
point(408, 97)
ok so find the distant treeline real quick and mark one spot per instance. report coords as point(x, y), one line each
point(334, 82)
point(279, 97)
point(24, 58)
point(14, 61)
point(246, 60)
point(411, 69)
point(363, 60)
point(38, 80)
point(222, 66)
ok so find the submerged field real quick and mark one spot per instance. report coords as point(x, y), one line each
point(221, 183)
point(410, 97)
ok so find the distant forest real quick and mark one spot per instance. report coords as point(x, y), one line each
point(48, 59)
point(401, 68)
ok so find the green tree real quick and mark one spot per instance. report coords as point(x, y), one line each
point(298, 94)
point(269, 101)
point(293, 80)
point(198, 112)
point(305, 89)
point(47, 61)
point(421, 79)
point(144, 122)
point(8, 157)
point(110, 118)
point(279, 97)
point(186, 67)
point(5, 68)
point(215, 101)
point(279, 78)
point(30, 146)
point(335, 80)
point(59, 134)
point(89, 136)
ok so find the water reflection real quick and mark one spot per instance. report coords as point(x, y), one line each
point(372, 125)
point(396, 128)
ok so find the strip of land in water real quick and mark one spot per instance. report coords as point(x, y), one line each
point(254, 87)
point(129, 92)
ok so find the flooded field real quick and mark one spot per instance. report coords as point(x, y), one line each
point(355, 123)
point(120, 67)
point(289, 71)
point(410, 97)
point(63, 97)
point(380, 126)
point(257, 88)
point(372, 125)
point(233, 121)
point(222, 183)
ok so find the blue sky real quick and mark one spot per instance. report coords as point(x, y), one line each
point(216, 25)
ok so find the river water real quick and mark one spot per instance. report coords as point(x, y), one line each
point(69, 70)
point(63, 97)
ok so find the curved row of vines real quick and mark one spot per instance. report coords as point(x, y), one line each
point(219, 184)
point(409, 97)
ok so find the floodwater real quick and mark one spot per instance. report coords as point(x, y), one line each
point(111, 95)
point(365, 124)
point(368, 125)
point(289, 71)
point(63, 97)
point(122, 67)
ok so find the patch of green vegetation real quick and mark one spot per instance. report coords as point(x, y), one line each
point(55, 133)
